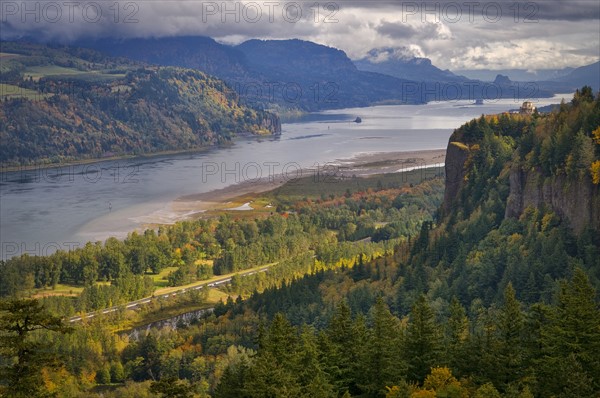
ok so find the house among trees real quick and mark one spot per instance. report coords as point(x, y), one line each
point(527, 108)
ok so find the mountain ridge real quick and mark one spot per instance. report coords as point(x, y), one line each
point(412, 68)
point(325, 79)
point(58, 108)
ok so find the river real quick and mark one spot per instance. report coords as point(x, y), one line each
point(45, 209)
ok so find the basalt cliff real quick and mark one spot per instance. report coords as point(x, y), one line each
point(512, 163)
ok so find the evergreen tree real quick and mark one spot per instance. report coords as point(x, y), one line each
point(384, 365)
point(231, 384)
point(572, 336)
point(171, 387)
point(22, 355)
point(275, 367)
point(511, 350)
point(422, 343)
point(456, 334)
point(343, 353)
point(313, 380)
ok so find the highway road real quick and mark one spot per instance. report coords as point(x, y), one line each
point(146, 300)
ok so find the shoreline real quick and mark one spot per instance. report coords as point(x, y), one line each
point(360, 165)
point(238, 197)
point(83, 162)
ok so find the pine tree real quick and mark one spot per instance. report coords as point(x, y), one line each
point(341, 356)
point(231, 384)
point(359, 354)
point(456, 334)
point(384, 364)
point(511, 348)
point(422, 344)
point(577, 383)
point(22, 356)
point(313, 380)
point(275, 367)
point(171, 387)
point(572, 336)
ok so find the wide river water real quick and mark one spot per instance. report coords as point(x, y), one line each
point(45, 209)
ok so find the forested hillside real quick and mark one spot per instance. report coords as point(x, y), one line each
point(67, 104)
point(484, 303)
point(477, 301)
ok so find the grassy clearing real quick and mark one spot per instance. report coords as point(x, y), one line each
point(258, 203)
point(11, 91)
point(7, 56)
point(216, 295)
point(59, 290)
point(37, 72)
point(160, 279)
point(63, 290)
point(97, 76)
point(316, 186)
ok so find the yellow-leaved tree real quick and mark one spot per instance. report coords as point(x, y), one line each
point(595, 172)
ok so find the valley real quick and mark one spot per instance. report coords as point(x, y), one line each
point(347, 200)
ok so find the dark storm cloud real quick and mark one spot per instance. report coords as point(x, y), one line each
point(396, 30)
point(69, 20)
point(487, 31)
point(565, 10)
point(403, 31)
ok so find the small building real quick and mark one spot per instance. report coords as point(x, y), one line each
point(527, 108)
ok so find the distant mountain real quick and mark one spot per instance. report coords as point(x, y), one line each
point(292, 74)
point(295, 57)
point(437, 84)
point(63, 104)
point(326, 76)
point(518, 75)
point(555, 80)
point(196, 52)
point(412, 68)
point(297, 74)
point(586, 75)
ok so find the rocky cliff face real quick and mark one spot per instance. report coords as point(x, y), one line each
point(457, 154)
point(574, 200)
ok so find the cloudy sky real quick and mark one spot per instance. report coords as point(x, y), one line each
point(469, 34)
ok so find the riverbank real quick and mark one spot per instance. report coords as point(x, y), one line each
point(238, 197)
point(129, 157)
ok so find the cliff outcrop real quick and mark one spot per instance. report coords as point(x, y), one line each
point(457, 154)
point(576, 200)
point(507, 163)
